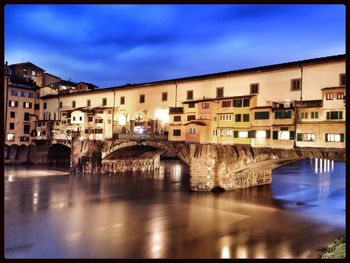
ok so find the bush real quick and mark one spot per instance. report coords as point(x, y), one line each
point(335, 250)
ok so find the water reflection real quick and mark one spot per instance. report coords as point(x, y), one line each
point(152, 215)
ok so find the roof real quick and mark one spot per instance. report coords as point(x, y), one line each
point(52, 75)
point(66, 82)
point(27, 63)
point(200, 123)
point(215, 75)
point(337, 87)
point(90, 85)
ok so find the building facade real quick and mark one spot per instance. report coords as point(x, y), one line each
point(295, 104)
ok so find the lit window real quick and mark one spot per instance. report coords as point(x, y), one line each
point(309, 137)
point(334, 137)
point(283, 135)
point(192, 130)
point(340, 95)
point(229, 133)
point(33, 73)
point(10, 137)
point(261, 134)
point(329, 96)
point(243, 134)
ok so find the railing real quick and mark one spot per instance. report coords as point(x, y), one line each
point(141, 137)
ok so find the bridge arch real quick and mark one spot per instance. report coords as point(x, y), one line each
point(58, 154)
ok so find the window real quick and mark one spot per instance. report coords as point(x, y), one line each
point(90, 119)
point(283, 114)
point(190, 95)
point(73, 104)
point(314, 115)
point(88, 103)
point(98, 120)
point(342, 79)
point(260, 134)
point(12, 125)
point(205, 105)
point(98, 131)
point(283, 135)
point(245, 117)
point(191, 117)
point(340, 95)
point(246, 102)
point(334, 137)
point(104, 101)
point(61, 104)
point(177, 132)
point(254, 88)
point(36, 106)
point(37, 95)
point(122, 100)
point(26, 116)
point(14, 93)
point(204, 117)
point(306, 137)
point(142, 98)
point(26, 129)
point(73, 118)
point(191, 105)
point(237, 103)
point(33, 73)
point(238, 117)
point(10, 137)
point(45, 106)
point(243, 134)
point(295, 84)
point(13, 103)
point(80, 118)
point(329, 96)
point(109, 112)
point(27, 105)
point(334, 115)
point(261, 115)
point(215, 132)
point(30, 95)
point(164, 96)
point(229, 133)
point(226, 103)
point(12, 114)
point(177, 118)
point(109, 121)
point(303, 115)
point(219, 92)
point(192, 130)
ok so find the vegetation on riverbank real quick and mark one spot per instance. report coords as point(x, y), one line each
point(336, 249)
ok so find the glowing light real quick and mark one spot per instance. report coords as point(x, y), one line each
point(10, 178)
point(261, 134)
point(162, 115)
point(284, 135)
point(122, 119)
point(242, 252)
point(316, 165)
point(243, 134)
point(225, 252)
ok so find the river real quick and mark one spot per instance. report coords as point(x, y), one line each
point(51, 214)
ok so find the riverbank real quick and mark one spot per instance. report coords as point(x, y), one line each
point(335, 249)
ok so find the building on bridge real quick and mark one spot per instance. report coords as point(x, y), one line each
point(285, 105)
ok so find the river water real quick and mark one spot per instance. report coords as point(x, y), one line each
point(51, 214)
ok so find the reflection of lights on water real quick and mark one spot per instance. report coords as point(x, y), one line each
point(260, 251)
point(328, 165)
point(316, 165)
point(225, 252)
point(10, 178)
point(242, 252)
point(321, 166)
point(35, 194)
point(332, 165)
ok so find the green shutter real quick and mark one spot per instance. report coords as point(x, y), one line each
point(235, 134)
point(253, 134)
point(342, 137)
point(275, 135)
point(328, 115)
point(299, 137)
point(268, 134)
point(291, 135)
point(326, 137)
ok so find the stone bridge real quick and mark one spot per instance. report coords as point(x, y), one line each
point(211, 166)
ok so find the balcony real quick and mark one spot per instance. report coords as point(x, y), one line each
point(176, 110)
point(308, 103)
point(140, 137)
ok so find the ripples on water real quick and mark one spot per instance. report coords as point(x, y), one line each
point(154, 215)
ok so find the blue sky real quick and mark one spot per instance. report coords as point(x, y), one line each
point(111, 45)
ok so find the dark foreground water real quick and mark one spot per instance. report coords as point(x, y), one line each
point(50, 214)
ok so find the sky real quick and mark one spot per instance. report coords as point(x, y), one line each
point(112, 45)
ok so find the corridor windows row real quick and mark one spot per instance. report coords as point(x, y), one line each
point(306, 137)
point(340, 96)
point(334, 115)
point(334, 137)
